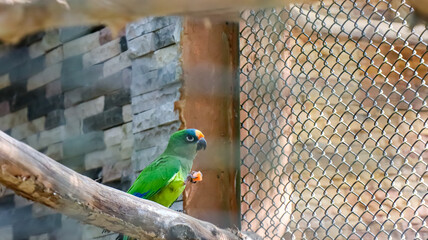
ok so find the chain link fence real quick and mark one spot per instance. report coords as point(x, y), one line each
point(334, 121)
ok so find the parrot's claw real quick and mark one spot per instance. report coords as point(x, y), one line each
point(181, 211)
point(194, 177)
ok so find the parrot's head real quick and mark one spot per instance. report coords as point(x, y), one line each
point(187, 142)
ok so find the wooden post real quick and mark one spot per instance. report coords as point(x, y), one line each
point(210, 102)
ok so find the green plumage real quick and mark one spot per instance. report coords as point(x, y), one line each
point(164, 179)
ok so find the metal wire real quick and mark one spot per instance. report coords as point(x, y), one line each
point(334, 122)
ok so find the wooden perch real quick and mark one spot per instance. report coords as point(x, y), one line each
point(41, 179)
point(19, 18)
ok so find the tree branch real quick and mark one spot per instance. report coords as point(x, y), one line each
point(41, 179)
point(19, 17)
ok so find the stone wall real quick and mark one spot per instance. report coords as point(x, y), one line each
point(154, 47)
point(67, 94)
point(102, 106)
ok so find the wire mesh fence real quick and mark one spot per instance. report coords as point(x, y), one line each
point(334, 121)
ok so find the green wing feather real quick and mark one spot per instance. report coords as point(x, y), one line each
point(155, 177)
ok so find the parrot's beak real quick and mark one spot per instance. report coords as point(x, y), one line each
point(201, 144)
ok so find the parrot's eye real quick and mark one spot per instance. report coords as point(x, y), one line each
point(190, 138)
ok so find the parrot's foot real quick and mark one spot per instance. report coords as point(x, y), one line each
point(194, 176)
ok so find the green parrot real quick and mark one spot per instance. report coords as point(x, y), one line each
point(165, 178)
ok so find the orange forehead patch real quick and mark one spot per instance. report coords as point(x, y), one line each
point(199, 134)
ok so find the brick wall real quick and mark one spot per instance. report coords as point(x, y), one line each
point(67, 94)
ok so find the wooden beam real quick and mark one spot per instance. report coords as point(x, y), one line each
point(19, 18)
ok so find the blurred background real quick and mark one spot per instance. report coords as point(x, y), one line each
point(315, 117)
point(334, 121)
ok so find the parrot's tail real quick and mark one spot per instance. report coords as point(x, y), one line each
point(122, 237)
